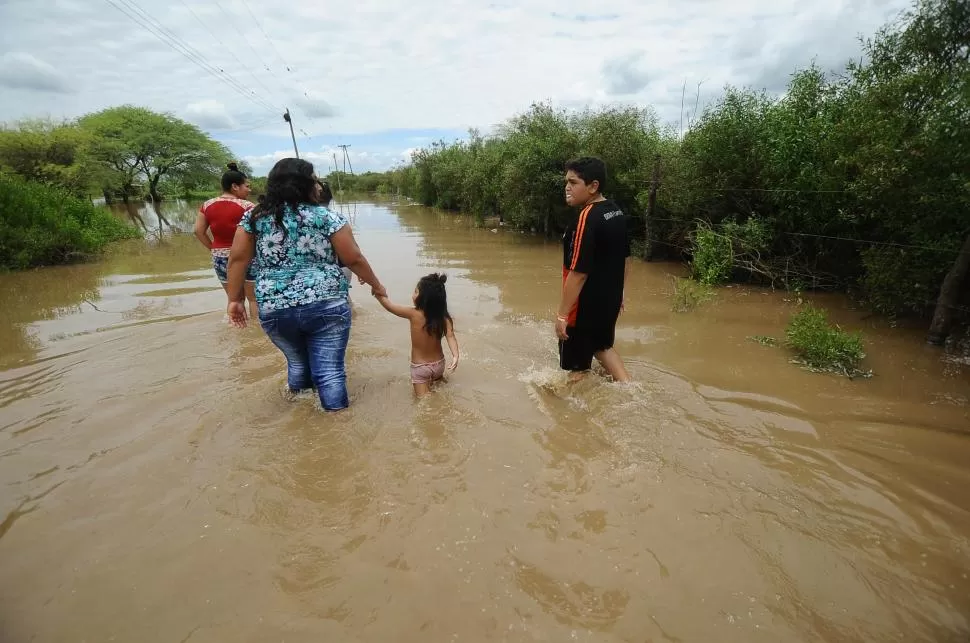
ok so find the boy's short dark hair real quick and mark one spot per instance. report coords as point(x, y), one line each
point(589, 169)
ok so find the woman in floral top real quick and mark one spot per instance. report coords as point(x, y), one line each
point(294, 245)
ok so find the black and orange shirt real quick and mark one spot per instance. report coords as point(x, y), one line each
point(597, 245)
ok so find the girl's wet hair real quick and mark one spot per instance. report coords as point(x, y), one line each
point(232, 177)
point(290, 183)
point(432, 300)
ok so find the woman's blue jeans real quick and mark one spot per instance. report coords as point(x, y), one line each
point(313, 337)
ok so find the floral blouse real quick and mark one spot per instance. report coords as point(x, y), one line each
point(300, 266)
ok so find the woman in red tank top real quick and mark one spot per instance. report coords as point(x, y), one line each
point(220, 216)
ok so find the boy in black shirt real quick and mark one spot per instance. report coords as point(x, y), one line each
point(595, 251)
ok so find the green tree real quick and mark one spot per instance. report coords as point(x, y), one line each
point(54, 154)
point(906, 134)
point(539, 143)
point(134, 143)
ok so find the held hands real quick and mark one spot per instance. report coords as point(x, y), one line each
point(237, 314)
point(378, 291)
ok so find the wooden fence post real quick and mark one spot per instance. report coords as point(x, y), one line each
point(651, 210)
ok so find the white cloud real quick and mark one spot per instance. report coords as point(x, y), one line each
point(437, 65)
point(625, 75)
point(19, 70)
point(209, 114)
point(315, 105)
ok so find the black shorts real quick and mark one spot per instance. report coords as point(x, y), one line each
point(576, 353)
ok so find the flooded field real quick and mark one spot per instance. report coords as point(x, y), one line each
point(157, 485)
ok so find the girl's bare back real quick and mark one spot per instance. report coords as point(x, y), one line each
point(425, 347)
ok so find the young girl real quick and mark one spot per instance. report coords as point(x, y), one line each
point(430, 322)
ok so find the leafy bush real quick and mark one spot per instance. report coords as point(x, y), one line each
point(822, 346)
point(689, 294)
point(902, 280)
point(43, 225)
point(713, 256)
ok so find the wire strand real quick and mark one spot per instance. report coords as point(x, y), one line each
point(226, 47)
point(263, 31)
point(139, 17)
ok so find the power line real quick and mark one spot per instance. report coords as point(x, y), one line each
point(243, 37)
point(271, 43)
point(226, 47)
point(249, 128)
point(139, 17)
point(710, 189)
point(166, 35)
point(306, 135)
point(875, 243)
point(286, 66)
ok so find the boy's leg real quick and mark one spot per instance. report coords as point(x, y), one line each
point(603, 339)
point(283, 330)
point(613, 364)
point(328, 331)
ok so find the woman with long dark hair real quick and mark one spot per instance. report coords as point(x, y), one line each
point(221, 215)
point(294, 244)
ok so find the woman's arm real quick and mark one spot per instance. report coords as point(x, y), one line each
point(394, 309)
point(452, 344)
point(242, 252)
point(201, 230)
point(349, 253)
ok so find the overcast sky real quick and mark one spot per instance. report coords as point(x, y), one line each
point(386, 77)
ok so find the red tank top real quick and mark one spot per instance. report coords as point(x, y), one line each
point(223, 214)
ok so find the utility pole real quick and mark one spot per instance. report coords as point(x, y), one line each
point(286, 117)
point(346, 159)
point(336, 170)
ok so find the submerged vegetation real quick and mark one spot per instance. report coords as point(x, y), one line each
point(688, 294)
point(819, 345)
point(822, 346)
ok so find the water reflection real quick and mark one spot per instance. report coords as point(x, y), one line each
point(37, 295)
point(168, 256)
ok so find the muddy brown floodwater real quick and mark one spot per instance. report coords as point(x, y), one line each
point(156, 484)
